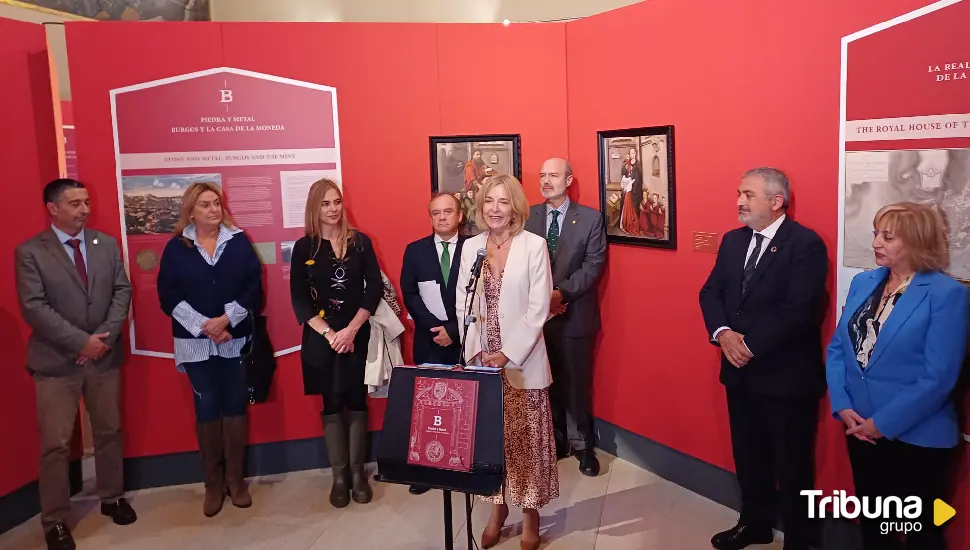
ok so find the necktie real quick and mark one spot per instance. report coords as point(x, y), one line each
point(445, 261)
point(79, 260)
point(552, 236)
point(752, 262)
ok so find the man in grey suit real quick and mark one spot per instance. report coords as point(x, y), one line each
point(576, 238)
point(74, 294)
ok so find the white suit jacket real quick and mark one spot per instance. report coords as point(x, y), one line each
point(523, 308)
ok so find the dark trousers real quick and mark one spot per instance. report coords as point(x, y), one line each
point(570, 395)
point(218, 388)
point(774, 438)
point(894, 468)
point(57, 405)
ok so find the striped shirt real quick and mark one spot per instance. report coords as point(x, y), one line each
point(192, 350)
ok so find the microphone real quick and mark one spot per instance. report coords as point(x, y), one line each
point(479, 260)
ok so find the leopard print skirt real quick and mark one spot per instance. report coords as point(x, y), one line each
point(531, 472)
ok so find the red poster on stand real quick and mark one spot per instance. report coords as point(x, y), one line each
point(443, 417)
point(263, 139)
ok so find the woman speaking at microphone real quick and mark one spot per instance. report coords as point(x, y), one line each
point(510, 303)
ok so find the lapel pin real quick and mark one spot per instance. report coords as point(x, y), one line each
point(94, 241)
point(574, 221)
point(774, 249)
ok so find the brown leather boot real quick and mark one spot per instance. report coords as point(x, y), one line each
point(234, 429)
point(360, 489)
point(210, 447)
point(335, 435)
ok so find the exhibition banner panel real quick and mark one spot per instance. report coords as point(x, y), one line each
point(70, 152)
point(262, 139)
point(905, 131)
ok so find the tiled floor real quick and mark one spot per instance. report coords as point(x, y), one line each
point(625, 508)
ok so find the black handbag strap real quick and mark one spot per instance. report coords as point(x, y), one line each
point(249, 347)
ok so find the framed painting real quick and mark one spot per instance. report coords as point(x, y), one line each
point(461, 164)
point(637, 186)
point(121, 10)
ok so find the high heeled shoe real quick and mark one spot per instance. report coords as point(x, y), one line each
point(491, 537)
point(534, 544)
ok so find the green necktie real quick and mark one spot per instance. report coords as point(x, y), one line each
point(445, 261)
point(552, 236)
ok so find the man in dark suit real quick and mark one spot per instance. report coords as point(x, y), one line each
point(432, 264)
point(576, 238)
point(74, 294)
point(763, 305)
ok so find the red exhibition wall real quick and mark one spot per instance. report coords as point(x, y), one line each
point(424, 85)
point(745, 83)
point(28, 154)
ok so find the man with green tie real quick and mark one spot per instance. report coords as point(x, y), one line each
point(576, 238)
point(432, 263)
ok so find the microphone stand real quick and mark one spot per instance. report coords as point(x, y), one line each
point(470, 292)
point(469, 316)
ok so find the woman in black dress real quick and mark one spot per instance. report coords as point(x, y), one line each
point(335, 286)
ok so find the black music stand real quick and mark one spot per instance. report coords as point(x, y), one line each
point(487, 472)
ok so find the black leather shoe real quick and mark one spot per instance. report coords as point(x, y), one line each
point(119, 511)
point(419, 489)
point(589, 465)
point(59, 537)
point(741, 536)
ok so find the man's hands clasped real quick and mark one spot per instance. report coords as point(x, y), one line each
point(556, 304)
point(94, 349)
point(441, 337)
point(732, 344)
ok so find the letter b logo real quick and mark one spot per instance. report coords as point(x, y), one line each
point(437, 421)
point(226, 96)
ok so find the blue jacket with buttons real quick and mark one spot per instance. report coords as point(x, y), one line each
point(185, 275)
point(908, 384)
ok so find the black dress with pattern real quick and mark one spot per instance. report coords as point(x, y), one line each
point(342, 288)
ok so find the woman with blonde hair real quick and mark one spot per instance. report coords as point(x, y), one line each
point(335, 286)
point(892, 365)
point(511, 303)
point(209, 281)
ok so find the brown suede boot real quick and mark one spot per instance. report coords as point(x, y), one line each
point(360, 490)
point(210, 447)
point(335, 435)
point(235, 430)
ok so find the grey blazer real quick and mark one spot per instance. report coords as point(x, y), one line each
point(61, 311)
point(577, 265)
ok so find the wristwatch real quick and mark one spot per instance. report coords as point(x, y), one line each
point(326, 331)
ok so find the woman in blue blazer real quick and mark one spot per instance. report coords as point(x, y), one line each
point(892, 366)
